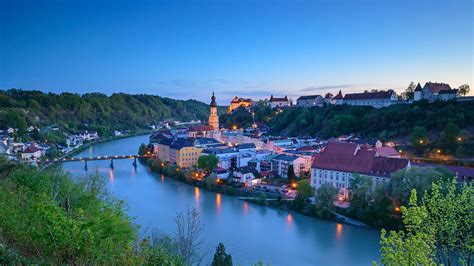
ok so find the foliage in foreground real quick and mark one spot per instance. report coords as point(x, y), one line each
point(48, 218)
point(437, 230)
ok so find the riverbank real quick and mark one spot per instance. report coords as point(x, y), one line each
point(263, 198)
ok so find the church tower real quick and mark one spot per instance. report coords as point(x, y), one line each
point(213, 117)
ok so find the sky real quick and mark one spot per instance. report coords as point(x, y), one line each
point(187, 49)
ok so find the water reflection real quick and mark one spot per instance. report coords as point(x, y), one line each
point(162, 178)
point(218, 202)
point(289, 219)
point(338, 231)
point(111, 175)
point(197, 192)
point(246, 208)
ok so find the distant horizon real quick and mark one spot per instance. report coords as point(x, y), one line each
point(186, 50)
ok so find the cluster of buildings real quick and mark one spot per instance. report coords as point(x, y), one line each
point(431, 92)
point(33, 150)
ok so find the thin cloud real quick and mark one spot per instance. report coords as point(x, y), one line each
point(320, 88)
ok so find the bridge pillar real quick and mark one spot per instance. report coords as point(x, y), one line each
point(112, 163)
point(135, 162)
point(85, 165)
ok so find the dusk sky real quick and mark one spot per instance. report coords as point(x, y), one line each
point(184, 49)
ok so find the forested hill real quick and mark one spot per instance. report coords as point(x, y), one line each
point(394, 121)
point(20, 108)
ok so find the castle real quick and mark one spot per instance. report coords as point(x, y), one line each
point(238, 102)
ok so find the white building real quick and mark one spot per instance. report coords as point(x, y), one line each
point(433, 91)
point(31, 153)
point(279, 102)
point(310, 101)
point(282, 162)
point(338, 162)
point(244, 175)
point(376, 99)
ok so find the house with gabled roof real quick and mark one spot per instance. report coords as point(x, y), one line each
point(434, 91)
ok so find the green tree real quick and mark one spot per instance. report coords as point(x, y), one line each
point(450, 134)
point(438, 229)
point(419, 137)
point(207, 162)
point(360, 187)
point(325, 196)
point(291, 173)
point(464, 89)
point(221, 258)
point(142, 149)
point(409, 91)
point(404, 181)
point(304, 189)
point(416, 245)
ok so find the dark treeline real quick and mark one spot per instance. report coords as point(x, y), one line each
point(21, 108)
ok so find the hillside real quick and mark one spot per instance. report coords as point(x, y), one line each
point(22, 108)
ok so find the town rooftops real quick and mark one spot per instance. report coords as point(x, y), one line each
point(369, 95)
point(244, 146)
point(206, 141)
point(166, 142)
point(219, 151)
point(31, 149)
point(181, 143)
point(284, 157)
point(275, 99)
point(200, 128)
point(309, 97)
point(435, 87)
point(240, 100)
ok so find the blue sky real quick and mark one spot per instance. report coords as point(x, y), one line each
point(186, 49)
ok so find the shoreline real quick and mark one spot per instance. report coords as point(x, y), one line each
point(272, 200)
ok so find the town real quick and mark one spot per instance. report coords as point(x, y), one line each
point(253, 159)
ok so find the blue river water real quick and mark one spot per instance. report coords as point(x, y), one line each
point(249, 232)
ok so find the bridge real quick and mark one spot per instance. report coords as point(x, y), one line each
point(111, 158)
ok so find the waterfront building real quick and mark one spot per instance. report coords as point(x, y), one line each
point(213, 116)
point(282, 162)
point(377, 99)
point(339, 161)
point(433, 91)
point(30, 153)
point(279, 102)
point(310, 101)
point(244, 175)
point(164, 149)
point(183, 153)
point(239, 102)
point(221, 173)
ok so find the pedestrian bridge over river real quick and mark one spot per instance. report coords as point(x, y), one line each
point(110, 158)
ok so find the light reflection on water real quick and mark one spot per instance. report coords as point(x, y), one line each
point(249, 231)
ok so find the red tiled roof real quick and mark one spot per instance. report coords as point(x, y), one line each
point(343, 157)
point(274, 99)
point(200, 128)
point(307, 148)
point(31, 149)
point(387, 151)
point(435, 87)
point(369, 95)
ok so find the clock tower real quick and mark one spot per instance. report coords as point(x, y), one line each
point(213, 117)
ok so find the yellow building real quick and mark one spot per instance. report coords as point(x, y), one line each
point(238, 102)
point(184, 153)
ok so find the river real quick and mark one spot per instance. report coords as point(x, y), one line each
point(249, 232)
